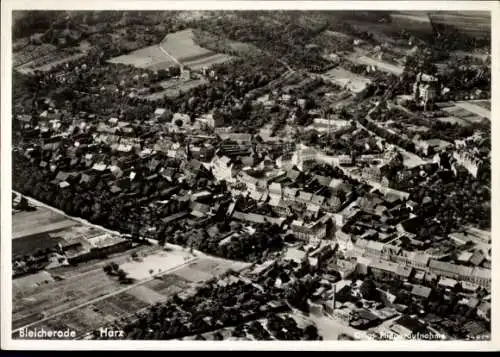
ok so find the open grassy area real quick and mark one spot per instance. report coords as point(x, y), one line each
point(148, 57)
point(345, 78)
point(43, 220)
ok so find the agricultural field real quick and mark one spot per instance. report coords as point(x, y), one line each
point(468, 112)
point(89, 299)
point(472, 23)
point(176, 48)
point(182, 47)
point(355, 83)
point(46, 64)
point(486, 104)
point(475, 108)
point(151, 57)
point(32, 281)
point(43, 220)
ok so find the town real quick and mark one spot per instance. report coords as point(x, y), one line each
point(252, 175)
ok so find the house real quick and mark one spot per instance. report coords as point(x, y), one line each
point(243, 139)
point(484, 311)
point(310, 232)
point(222, 168)
point(447, 283)
point(419, 276)
point(421, 292)
point(407, 327)
point(416, 260)
point(99, 167)
point(159, 112)
point(480, 276)
point(381, 267)
point(332, 204)
point(250, 181)
point(477, 258)
point(275, 193)
point(344, 268)
point(212, 121)
point(465, 257)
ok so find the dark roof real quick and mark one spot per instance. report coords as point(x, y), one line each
point(421, 291)
point(411, 324)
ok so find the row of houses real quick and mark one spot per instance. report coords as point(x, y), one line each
point(391, 254)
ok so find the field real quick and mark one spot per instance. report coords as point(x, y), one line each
point(476, 108)
point(31, 281)
point(30, 67)
point(469, 112)
point(89, 299)
point(381, 65)
point(454, 120)
point(182, 47)
point(176, 48)
point(345, 78)
point(43, 220)
point(486, 104)
point(162, 261)
point(173, 87)
point(148, 57)
point(472, 23)
point(44, 228)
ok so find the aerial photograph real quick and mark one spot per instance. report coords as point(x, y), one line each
point(251, 175)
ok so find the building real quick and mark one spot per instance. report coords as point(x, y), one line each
point(303, 156)
point(425, 89)
point(213, 121)
point(222, 169)
point(416, 260)
point(383, 267)
point(310, 232)
point(421, 292)
point(344, 240)
point(469, 161)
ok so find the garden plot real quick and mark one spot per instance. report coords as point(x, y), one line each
point(156, 263)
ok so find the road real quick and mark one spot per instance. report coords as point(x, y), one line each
point(329, 327)
point(170, 56)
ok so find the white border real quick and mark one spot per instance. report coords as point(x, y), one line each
point(6, 220)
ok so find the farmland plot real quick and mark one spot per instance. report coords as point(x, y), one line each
point(148, 57)
point(181, 46)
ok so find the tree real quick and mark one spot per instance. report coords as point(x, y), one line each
point(107, 269)
point(311, 332)
point(122, 274)
point(114, 266)
point(368, 290)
